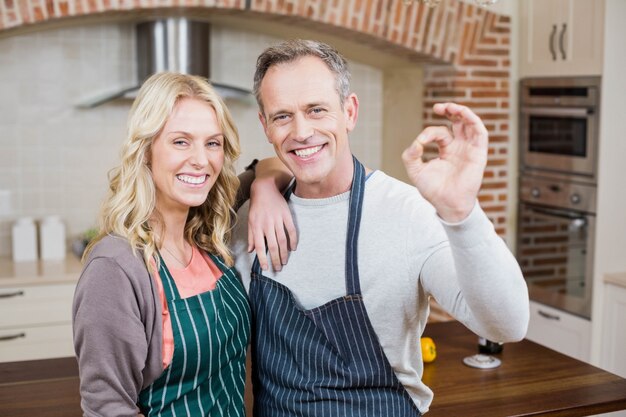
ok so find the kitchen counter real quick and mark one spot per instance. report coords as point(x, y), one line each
point(532, 381)
point(618, 279)
point(19, 274)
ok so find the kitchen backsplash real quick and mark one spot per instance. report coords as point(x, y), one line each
point(54, 157)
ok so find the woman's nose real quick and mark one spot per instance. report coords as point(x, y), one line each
point(198, 157)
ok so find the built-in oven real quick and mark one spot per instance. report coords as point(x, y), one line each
point(559, 125)
point(556, 225)
point(559, 120)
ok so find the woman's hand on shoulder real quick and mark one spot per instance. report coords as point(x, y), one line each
point(269, 220)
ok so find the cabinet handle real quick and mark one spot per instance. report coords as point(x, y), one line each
point(11, 294)
point(548, 315)
point(551, 44)
point(12, 337)
point(561, 39)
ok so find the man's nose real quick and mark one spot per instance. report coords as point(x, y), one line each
point(303, 128)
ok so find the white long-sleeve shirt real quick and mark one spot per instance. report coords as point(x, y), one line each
point(406, 253)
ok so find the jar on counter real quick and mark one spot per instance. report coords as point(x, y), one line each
point(52, 238)
point(24, 234)
point(488, 347)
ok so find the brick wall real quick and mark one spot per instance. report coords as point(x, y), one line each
point(466, 46)
point(479, 78)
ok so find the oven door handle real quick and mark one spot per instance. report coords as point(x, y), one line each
point(551, 111)
point(558, 213)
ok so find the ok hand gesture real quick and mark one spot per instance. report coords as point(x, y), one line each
point(451, 181)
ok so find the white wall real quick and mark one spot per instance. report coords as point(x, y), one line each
point(54, 157)
point(610, 245)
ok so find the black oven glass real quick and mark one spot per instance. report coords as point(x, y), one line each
point(553, 255)
point(558, 135)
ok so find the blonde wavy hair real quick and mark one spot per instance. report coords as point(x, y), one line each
point(131, 200)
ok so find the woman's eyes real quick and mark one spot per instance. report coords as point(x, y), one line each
point(210, 143)
point(214, 143)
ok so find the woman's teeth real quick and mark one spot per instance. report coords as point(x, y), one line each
point(191, 180)
point(303, 153)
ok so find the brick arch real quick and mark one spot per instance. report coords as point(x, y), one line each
point(466, 49)
point(429, 34)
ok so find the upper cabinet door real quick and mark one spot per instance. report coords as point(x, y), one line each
point(561, 37)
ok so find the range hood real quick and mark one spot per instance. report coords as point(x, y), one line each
point(173, 44)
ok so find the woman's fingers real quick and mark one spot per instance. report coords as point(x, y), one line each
point(277, 237)
point(256, 242)
point(290, 228)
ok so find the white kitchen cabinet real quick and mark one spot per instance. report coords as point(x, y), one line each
point(561, 37)
point(36, 305)
point(560, 331)
point(613, 331)
point(36, 322)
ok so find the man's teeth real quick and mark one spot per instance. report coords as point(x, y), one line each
point(191, 180)
point(303, 153)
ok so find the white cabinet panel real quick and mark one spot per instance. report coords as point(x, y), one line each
point(36, 322)
point(36, 343)
point(33, 305)
point(560, 331)
point(561, 37)
point(614, 330)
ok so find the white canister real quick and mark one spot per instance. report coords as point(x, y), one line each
point(52, 238)
point(24, 235)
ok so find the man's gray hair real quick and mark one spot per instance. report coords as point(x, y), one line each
point(292, 50)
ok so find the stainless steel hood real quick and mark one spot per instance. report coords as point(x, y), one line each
point(173, 44)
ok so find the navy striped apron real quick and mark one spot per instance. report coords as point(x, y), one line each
point(326, 361)
point(211, 330)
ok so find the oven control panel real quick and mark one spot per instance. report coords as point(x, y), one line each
point(558, 193)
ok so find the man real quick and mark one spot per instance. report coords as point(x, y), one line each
point(337, 331)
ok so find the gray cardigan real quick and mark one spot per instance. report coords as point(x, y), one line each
point(121, 355)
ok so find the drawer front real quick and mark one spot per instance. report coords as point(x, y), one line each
point(560, 331)
point(29, 306)
point(29, 343)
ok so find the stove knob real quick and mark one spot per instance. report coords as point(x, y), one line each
point(574, 198)
point(535, 192)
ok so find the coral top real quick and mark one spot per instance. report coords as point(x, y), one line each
point(199, 276)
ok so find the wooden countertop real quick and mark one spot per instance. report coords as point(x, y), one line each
point(19, 274)
point(532, 381)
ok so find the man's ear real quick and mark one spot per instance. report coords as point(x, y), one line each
point(351, 109)
point(264, 124)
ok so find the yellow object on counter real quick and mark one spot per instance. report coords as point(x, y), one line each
point(429, 351)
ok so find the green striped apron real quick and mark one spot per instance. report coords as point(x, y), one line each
point(211, 330)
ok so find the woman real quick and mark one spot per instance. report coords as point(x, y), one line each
point(161, 319)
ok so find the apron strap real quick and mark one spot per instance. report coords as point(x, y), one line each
point(169, 286)
point(353, 286)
